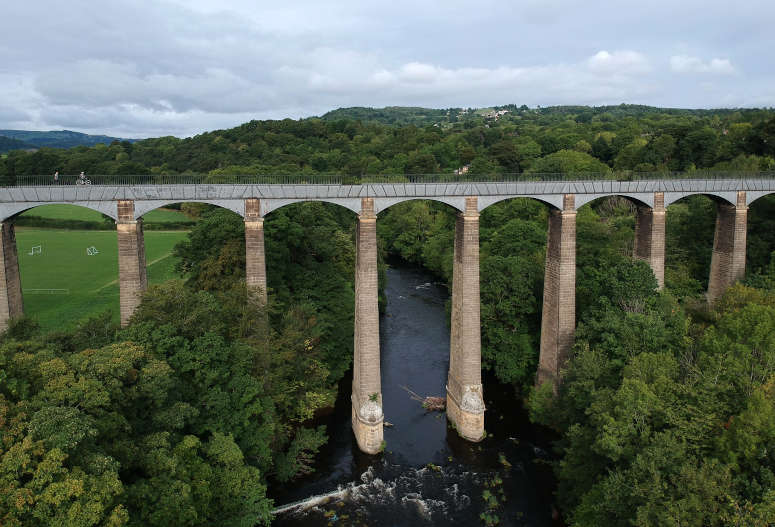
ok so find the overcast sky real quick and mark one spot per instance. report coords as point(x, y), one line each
point(180, 67)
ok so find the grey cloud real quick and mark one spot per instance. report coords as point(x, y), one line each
point(13, 115)
point(185, 66)
point(687, 64)
point(101, 83)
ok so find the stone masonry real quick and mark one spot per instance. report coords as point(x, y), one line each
point(367, 416)
point(650, 236)
point(131, 260)
point(727, 264)
point(255, 257)
point(465, 403)
point(11, 303)
point(558, 322)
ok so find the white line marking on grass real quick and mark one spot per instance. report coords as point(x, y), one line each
point(112, 282)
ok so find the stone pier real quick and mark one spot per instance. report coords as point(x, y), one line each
point(650, 236)
point(131, 260)
point(11, 302)
point(727, 264)
point(558, 319)
point(367, 416)
point(465, 399)
point(255, 257)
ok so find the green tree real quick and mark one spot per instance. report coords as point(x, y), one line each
point(568, 161)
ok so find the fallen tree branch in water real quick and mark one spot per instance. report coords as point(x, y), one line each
point(430, 403)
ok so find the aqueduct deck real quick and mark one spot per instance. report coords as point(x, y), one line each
point(147, 197)
point(129, 201)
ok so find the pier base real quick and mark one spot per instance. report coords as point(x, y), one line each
point(465, 398)
point(132, 278)
point(558, 318)
point(11, 302)
point(367, 416)
point(650, 236)
point(727, 264)
point(255, 254)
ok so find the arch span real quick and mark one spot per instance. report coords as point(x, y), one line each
point(382, 204)
point(750, 197)
point(270, 205)
point(729, 197)
point(9, 210)
point(646, 200)
point(553, 201)
point(144, 207)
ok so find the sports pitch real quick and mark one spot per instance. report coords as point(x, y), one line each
point(63, 283)
point(72, 212)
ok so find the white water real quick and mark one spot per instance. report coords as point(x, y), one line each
point(402, 495)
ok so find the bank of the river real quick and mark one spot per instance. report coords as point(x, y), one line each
point(427, 475)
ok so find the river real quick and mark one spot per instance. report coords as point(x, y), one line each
point(427, 475)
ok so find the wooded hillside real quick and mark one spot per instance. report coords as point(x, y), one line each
point(558, 139)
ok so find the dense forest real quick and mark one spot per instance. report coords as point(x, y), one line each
point(561, 139)
point(666, 415)
point(182, 417)
point(7, 144)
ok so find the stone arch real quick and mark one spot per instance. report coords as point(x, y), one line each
point(10, 210)
point(727, 196)
point(271, 205)
point(695, 247)
point(752, 196)
point(645, 200)
point(456, 202)
point(760, 238)
point(551, 200)
point(143, 207)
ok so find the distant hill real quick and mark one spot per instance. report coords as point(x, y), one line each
point(404, 115)
point(494, 140)
point(57, 139)
point(398, 115)
point(7, 144)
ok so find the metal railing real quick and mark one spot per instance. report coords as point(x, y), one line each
point(339, 179)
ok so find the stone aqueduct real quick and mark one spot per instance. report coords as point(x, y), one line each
point(465, 408)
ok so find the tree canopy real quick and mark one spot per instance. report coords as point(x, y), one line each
point(363, 141)
point(665, 415)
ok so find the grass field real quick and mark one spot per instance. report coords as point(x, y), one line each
point(73, 212)
point(63, 284)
